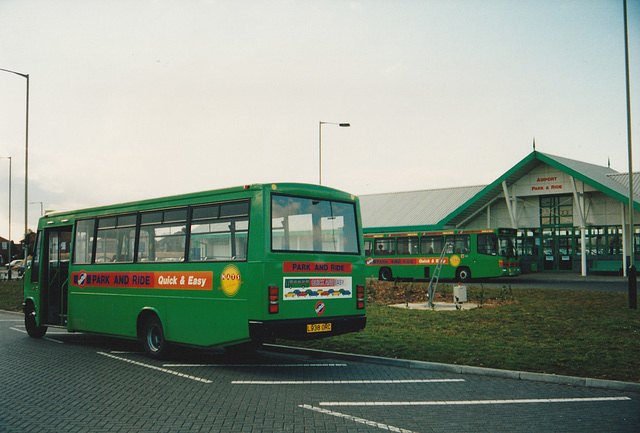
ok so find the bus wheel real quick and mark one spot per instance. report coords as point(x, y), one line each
point(463, 275)
point(31, 325)
point(153, 338)
point(385, 274)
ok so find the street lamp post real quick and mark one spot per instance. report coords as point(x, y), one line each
point(41, 206)
point(9, 239)
point(342, 125)
point(26, 158)
point(632, 273)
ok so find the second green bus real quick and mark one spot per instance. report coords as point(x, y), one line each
point(463, 254)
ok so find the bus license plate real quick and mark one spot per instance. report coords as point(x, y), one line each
point(318, 327)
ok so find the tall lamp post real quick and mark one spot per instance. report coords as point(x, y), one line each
point(9, 239)
point(41, 206)
point(26, 158)
point(632, 274)
point(342, 125)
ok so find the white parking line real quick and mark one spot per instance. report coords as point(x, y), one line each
point(254, 365)
point(153, 367)
point(471, 402)
point(44, 338)
point(381, 426)
point(338, 382)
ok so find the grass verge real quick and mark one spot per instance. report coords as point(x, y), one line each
point(11, 295)
point(576, 333)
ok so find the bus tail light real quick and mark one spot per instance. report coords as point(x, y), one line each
point(360, 297)
point(501, 263)
point(274, 292)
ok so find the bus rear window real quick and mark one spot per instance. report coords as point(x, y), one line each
point(313, 225)
point(488, 244)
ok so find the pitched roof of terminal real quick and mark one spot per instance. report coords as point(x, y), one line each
point(413, 208)
point(451, 207)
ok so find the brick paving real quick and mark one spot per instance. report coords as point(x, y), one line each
point(85, 383)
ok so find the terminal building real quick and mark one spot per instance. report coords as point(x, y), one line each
point(570, 216)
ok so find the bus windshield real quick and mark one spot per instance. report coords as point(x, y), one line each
point(313, 225)
point(507, 246)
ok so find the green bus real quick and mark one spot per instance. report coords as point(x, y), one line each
point(464, 254)
point(217, 268)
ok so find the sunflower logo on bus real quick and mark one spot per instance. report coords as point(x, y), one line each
point(230, 280)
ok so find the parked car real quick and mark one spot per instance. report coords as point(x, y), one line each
point(12, 263)
point(16, 265)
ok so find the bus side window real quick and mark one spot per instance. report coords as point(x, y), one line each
point(167, 232)
point(458, 244)
point(83, 248)
point(35, 264)
point(403, 246)
point(466, 244)
point(115, 239)
point(408, 245)
point(431, 245)
point(368, 248)
point(144, 253)
point(106, 240)
point(219, 232)
point(126, 245)
point(385, 247)
point(488, 244)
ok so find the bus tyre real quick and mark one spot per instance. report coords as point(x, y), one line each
point(32, 327)
point(153, 338)
point(463, 275)
point(385, 274)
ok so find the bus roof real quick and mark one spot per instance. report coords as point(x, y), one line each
point(229, 193)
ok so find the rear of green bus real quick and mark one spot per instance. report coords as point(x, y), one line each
point(314, 276)
point(509, 261)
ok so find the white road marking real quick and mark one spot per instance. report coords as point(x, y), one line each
point(381, 426)
point(254, 365)
point(471, 402)
point(153, 367)
point(44, 338)
point(338, 382)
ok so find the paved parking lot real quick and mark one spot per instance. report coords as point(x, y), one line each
point(84, 383)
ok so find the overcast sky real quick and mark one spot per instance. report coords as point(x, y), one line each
point(140, 99)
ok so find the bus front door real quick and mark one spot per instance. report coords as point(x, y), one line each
point(55, 273)
point(558, 252)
